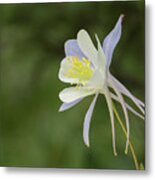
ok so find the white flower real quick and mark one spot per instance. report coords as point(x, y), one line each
point(87, 67)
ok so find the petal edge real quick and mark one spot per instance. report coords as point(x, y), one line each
point(87, 120)
point(112, 39)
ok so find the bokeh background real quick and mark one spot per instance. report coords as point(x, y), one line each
point(32, 131)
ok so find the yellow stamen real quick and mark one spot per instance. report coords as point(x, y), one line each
point(80, 69)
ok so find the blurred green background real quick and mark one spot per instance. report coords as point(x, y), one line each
point(32, 131)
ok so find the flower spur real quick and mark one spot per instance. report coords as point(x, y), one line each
point(87, 67)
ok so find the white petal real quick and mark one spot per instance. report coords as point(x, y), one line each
point(87, 121)
point(97, 81)
point(101, 59)
point(110, 108)
point(126, 92)
point(87, 47)
point(64, 66)
point(121, 100)
point(73, 93)
point(127, 106)
point(66, 106)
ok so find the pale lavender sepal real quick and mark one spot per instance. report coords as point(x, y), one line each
point(126, 92)
point(112, 39)
point(72, 49)
point(87, 121)
point(127, 106)
point(66, 106)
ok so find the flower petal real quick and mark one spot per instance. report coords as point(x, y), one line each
point(112, 39)
point(87, 47)
point(97, 80)
point(87, 121)
point(73, 93)
point(121, 100)
point(101, 59)
point(126, 92)
point(72, 49)
point(66, 106)
point(64, 66)
point(127, 106)
point(110, 108)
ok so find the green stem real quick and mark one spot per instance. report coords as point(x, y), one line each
point(130, 144)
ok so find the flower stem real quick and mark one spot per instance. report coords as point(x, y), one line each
point(130, 144)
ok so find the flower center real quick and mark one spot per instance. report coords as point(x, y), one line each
point(80, 69)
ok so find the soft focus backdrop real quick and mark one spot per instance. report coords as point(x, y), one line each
point(32, 131)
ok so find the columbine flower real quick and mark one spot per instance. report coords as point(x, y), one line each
point(87, 67)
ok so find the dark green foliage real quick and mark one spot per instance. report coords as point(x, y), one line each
point(32, 131)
